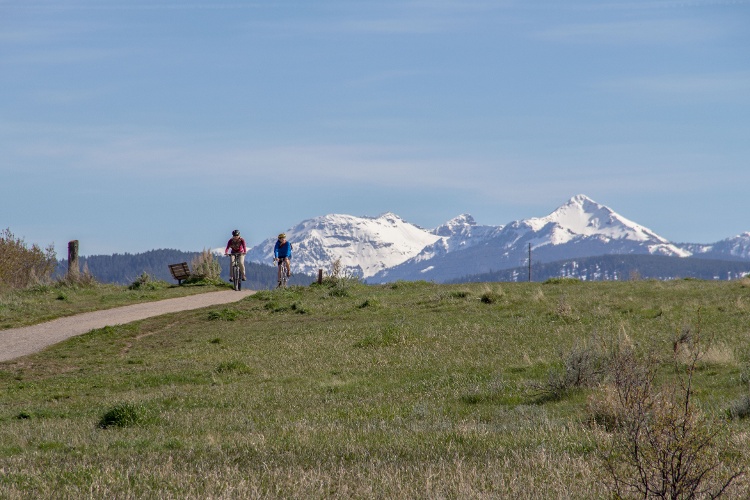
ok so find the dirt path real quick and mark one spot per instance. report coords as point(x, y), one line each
point(18, 342)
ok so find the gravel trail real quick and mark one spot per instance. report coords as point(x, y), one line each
point(18, 342)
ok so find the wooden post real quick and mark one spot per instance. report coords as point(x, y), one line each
point(320, 276)
point(73, 271)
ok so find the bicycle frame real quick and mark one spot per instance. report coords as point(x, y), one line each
point(234, 270)
point(283, 271)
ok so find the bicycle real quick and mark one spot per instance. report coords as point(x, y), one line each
point(235, 273)
point(284, 273)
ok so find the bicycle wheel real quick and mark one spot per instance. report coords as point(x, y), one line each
point(282, 274)
point(236, 278)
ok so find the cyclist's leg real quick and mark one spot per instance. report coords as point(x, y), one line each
point(231, 266)
point(242, 265)
point(235, 263)
point(288, 264)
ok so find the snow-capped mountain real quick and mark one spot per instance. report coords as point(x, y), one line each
point(365, 245)
point(459, 233)
point(462, 232)
point(735, 248)
point(387, 248)
point(579, 228)
point(463, 229)
point(581, 219)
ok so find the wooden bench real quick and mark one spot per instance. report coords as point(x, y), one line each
point(180, 271)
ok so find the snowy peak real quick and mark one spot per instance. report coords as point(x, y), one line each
point(460, 232)
point(736, 247)
point(583, 218)
point(455, 225)
point(389, 218)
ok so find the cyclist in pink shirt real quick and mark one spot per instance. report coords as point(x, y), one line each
point(239, 249)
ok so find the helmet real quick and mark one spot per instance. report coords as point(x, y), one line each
point(235, 232)
point(282, 236)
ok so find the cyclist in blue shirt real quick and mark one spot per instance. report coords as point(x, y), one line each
point(282, 253)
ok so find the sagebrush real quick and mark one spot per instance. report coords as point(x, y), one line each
point(22, 265)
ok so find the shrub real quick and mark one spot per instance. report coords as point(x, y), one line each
point(584, 365)
point(22, 266)
point(147, 282)
point(662, 445)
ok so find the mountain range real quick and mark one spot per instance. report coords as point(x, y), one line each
point(387, 248)
point(581, 239)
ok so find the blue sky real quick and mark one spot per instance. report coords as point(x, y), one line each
point(142, 124)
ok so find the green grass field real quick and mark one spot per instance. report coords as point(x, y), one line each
point(406, 390)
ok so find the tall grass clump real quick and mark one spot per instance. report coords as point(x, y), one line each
point(340, 280)
point(22, 265)
point(125, 415)
point(84, 279)
point(740, 409)
point(205, 269)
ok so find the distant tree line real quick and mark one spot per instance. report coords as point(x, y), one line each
point(620, 268)
point(124, 269)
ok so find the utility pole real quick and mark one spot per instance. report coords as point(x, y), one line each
point(529, 262)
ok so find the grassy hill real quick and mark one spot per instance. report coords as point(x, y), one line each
point(406, 390)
